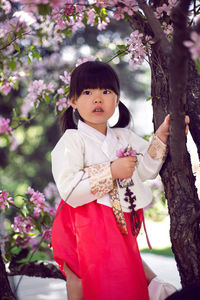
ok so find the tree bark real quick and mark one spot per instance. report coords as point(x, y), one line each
point(5, 290)
point(168, 90)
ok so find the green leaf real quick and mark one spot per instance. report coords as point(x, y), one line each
point(197, 64)
point(15, 250)
point(12, 64)
point(44, 9)
point(104, 11)
point(148, 98)
point(24, 211)
point(46, 98)
point(17, 47)
point(29, 60)
point(122, 47)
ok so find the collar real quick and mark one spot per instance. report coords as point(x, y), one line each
point(108, 143)
point(88, 130)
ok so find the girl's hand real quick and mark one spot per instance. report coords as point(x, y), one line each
point(123, 167)
point(163, 131)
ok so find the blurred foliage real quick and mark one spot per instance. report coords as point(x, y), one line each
point(29, 164)
point(159, 251)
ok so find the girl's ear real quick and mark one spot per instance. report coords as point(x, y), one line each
point(73, 103)
point(116, 101)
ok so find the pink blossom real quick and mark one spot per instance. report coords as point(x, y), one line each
point(69, 10)
point(60, 91)
point(61, 24)
point(165, 8)
point(36, 90)
point(47, 234)
point(4, 126)
point(22, 224)
point(82, 60)
point(38, 200)
point(25, 17)
point(102, 25)
point(22, 241)
point(5, 200)
point(6, 6)
point(61, 103)
point(14, 143)
point(6, 87)
point(51, 191)
point(136, 48)
point(91, 17)
point(66, 77)
point(194, 45)
point(33, 243)
point(128, 151)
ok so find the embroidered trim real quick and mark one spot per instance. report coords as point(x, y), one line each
point(157, 149)
point(100, 179)
point(117, 209)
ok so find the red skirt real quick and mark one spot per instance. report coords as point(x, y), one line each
point(109, 264)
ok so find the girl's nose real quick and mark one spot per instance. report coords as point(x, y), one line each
point(98, 98)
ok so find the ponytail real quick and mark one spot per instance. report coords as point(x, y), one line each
point(124, 116)
point(66, 120)
point(69, 120)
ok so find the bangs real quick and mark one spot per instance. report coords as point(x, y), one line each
point(93, 75)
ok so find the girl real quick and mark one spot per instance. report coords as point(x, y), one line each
point(97, 222)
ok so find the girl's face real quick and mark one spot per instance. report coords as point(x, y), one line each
point(96, 106)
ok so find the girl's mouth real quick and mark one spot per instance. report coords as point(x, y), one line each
point(98, 110)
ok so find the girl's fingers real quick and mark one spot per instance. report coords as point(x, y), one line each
point(187, 120)
point(167, 119)
point(186, 129)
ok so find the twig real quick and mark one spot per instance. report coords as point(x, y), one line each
point(159, 34)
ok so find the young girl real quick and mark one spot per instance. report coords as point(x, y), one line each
point(96, 226)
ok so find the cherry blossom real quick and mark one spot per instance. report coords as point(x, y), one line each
point(36, 91)
point(5, 200)
point(22, 224)
point(194, 45)
point(165, 9)
point(4, 126)
point(136, 48)
point(62, 103)
point(38, 200)
point(85, 59)
point(47, 234)
point(66, 77)
point(128, 151)
point(6, 6)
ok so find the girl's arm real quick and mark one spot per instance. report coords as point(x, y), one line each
point(77, 184)
point(154, 156)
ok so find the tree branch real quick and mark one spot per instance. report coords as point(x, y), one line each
point(159, 34)
point(37, 269)
point(178, 79)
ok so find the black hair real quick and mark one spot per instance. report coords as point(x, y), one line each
point(92, 75)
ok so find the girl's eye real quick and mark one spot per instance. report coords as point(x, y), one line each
point(86, 92)
point(106, 92)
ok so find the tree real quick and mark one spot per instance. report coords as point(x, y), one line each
point(163, 31)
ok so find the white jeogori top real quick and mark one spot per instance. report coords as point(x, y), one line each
point(85, 149)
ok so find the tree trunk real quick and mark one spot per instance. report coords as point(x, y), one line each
point(179, 183)
point(167, 90)
point(5, 290)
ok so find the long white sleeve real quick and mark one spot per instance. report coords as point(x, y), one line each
point(149, 165)
point(74, 184)
point(68, 170)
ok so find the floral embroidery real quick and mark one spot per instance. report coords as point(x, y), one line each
point(100, 179)
point(157, 149)
point(117, 209)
